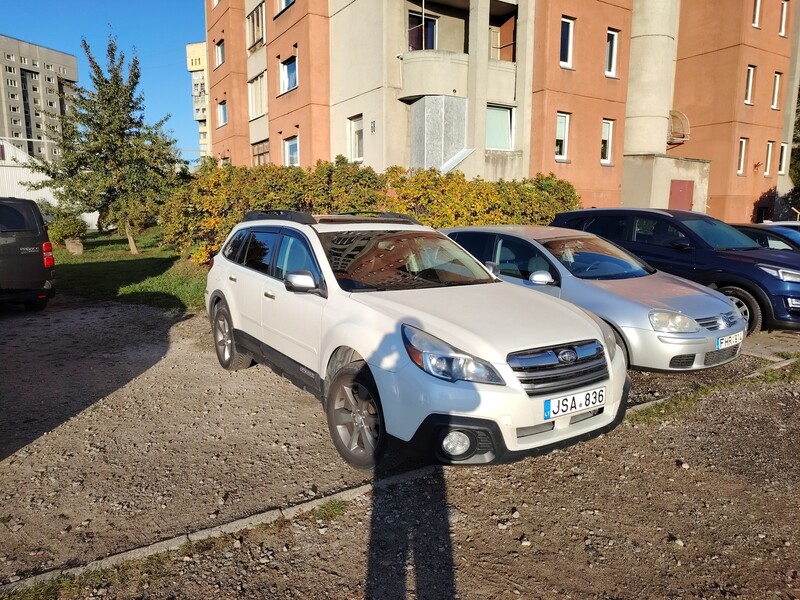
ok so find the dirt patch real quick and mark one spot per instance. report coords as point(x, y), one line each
point(119, 430)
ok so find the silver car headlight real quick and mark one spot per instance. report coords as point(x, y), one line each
point(667, 321)
point(441, 360)
point(609, 339)
point(787, 275)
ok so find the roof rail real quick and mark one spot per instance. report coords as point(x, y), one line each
point(286, 215)
point(362, 215)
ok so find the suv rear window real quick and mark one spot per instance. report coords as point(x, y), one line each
point(17, 217)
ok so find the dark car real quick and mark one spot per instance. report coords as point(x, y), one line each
point(27, 267)
point(772, 235)
point(763, 283)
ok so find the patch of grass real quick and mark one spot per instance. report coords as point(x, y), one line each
point(788, 374)
point(108, 271)
point(330, 510)
point(666, 409)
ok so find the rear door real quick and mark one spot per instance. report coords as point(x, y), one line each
point(21, 237)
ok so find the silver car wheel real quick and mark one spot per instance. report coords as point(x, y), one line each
point(223, 337)
point(356, 419)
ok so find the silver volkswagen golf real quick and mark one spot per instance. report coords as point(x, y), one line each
point(663, 322)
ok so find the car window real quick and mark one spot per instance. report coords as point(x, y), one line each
point(476, 243)
point(17, 217)
point(260, 248)
point(611, 227)
point(655, 231)
point(790, 233)
point(595, 258)
point(719, 235)
point(234, 245)
point(399, 260)
point(517, 258)
point(294, 255)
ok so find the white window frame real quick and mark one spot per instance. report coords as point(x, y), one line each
point(255, 26)
point(742, 156)
point(13, 96)
point(284, 4)
point(292, 60)
point(782, 159)
point(612, 43)
point(257, 95)
point(355, 135)
point(609, 141)
point(11, 83)
point(287, 157)
point(748, 84)
point(570, 22)
point(219, 53)
point(562, 116)
point(784, 17)
point(756, 13)
point(506, 122)
point(222, 113)
point(776, 90)
point(768, 159)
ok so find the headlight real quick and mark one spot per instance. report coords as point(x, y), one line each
point(787, 275)
point(609, 339)
point(672, 322)
point(441, 360)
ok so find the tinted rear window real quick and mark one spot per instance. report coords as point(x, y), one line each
point(17, 216)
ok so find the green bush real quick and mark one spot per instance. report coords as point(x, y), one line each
point(64, 227)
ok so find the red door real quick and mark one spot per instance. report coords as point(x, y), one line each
point(681, 192)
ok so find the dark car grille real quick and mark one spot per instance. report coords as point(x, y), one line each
point(682, 361)
point(540, 371)
point(718, 356)
point(716, 322)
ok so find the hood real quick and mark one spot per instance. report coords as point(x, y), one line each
point(657, 291)
point(766, 256)
point(487, 320)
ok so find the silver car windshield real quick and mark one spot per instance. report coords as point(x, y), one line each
point(399, 260)
point(595, 258)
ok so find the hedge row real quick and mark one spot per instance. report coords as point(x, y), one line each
point(200, 215)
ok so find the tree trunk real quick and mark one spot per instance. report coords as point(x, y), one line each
point(131, 241)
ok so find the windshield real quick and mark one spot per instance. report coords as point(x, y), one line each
point(399, 260)
point(719, 235)
point(595, 258)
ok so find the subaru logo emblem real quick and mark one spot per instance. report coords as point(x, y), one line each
point(567, 356)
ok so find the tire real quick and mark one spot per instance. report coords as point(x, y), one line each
point(230, 357)
point(35, 305)
point(355, 417)
point(747, 305)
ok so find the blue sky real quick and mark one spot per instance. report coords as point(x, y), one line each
point(157, 31)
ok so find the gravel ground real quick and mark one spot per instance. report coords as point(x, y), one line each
point(120, 430)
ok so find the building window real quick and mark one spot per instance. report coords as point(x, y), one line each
point(784, 17)
point(17, 122)
point(48, 66)
point(748, 86)
point(51, 104)
point(776, 90)
point(562, 135)
point(291, 151)
point(222, 113)
point(257, 93)
point(10, 69)
point(768, 159)
point(13, 108)
point(35, 89)
point(356, 134)
point(34, 76)
point(13, 96)
point(420, 38)
point(498, 128)
point(742, 154)
point(284, 4)
point(56, 151)
point(9, 56)
point(23, 60)
point(2, 152)
point(260, 153)
point(16, 134)
point(289, 74)
point(255, 27)
point(11, 82)
point(756, 13)
point(567, 31)
point(49, 79)
point(34, 62)
point(606, 139)
point(784, 153)
point(220, 52)
point(612, 39)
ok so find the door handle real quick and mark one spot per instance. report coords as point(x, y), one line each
point(269, 295)
point(231, 277)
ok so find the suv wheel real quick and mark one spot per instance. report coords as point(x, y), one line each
point(355, 417)
point(747, 305)
point(228, 355)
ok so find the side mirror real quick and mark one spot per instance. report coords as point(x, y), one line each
point(541, 278)
point(681, 244)
point(300, 281)
point(493, 267)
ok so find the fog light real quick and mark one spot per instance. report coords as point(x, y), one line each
point(456, 443)
point(794, 302)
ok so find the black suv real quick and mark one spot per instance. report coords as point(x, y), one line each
point(27, 267)
point(764, 284)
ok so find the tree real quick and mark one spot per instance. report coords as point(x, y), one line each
point(110, 160)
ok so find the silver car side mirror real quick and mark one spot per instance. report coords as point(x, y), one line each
point(541, 278)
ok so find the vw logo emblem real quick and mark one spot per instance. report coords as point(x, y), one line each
point(567, 356)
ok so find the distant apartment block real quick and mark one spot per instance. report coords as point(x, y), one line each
point(31, 80)
point(635, 102)
point(197, 65)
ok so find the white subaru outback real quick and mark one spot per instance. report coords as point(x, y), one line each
point(409, 341)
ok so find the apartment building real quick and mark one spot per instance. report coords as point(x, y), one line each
point(197, 65)
point(31, 80)
point(630, 100)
